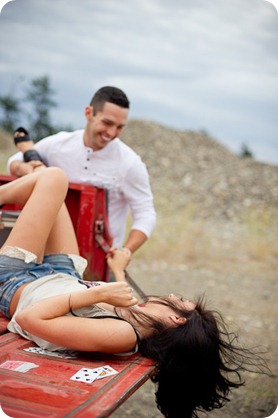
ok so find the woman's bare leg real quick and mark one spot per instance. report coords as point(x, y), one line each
point(62, 238)
point(18, 191)
point(43, 194)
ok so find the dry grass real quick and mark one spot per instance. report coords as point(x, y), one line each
point(7, 148)
point(183, 238)
point(261, 231)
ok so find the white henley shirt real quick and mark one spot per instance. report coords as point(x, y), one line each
point(117, 168)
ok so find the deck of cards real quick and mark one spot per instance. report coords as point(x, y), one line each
point(86, 375)
point(18, 366)
point(67, 354)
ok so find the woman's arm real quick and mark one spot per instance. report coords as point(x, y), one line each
point(117, 261)
point(46, 319)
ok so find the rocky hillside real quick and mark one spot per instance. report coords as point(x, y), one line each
point(190, 168)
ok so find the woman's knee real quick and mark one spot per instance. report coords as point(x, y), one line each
point(55, 178)
point(55, 173)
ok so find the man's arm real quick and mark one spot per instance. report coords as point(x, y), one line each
point(135, 239)
point(138, 194)
point(20, 168)
point(16, 165)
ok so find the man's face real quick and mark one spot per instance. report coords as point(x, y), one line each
point(105, 126)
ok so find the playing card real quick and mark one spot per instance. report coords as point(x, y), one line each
point(85, 375)
point(106, 371)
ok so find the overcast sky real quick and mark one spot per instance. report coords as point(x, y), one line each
point(188, 64)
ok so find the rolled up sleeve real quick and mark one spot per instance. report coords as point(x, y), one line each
point(138, 194)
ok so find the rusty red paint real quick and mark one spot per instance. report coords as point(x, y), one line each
point(47, 391)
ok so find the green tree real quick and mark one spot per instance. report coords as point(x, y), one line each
point(245, 152)
point(11, 111)
point(39, 94)
point(35, 105)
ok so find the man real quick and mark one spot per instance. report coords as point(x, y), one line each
point(98, 157)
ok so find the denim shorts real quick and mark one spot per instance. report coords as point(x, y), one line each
point(15, 272)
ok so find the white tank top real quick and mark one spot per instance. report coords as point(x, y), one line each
point(46, 287)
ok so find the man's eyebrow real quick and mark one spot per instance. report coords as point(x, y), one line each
point(108, 120)
point(111, 122)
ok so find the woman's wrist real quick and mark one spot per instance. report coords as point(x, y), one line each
point(128, 250)
point(82, 298)
point(119, 275)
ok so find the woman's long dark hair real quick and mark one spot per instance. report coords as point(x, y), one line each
point(198, 363)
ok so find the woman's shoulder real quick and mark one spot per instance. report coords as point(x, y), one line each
point(122, 337)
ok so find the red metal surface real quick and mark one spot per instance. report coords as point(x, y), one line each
point(86, 205)
point(3, 324)
point(5, 179)
point(47, 390)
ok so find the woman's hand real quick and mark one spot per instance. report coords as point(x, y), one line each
point(118, 260)
point(116, 294)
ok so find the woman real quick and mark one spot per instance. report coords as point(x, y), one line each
point(43, 293)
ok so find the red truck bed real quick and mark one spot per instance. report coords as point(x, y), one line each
point(47, 390)
point(87, 206)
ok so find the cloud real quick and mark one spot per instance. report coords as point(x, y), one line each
point(190, 64)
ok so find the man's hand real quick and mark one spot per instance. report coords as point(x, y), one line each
point(20, 168)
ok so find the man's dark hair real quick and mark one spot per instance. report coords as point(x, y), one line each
point(111, 95)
